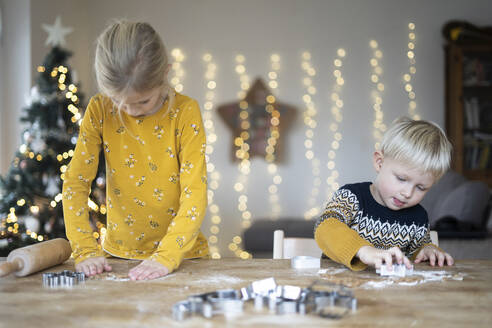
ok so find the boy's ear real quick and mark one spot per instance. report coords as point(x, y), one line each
point(377, 160)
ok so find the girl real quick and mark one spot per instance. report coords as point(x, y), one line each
point(154, 146)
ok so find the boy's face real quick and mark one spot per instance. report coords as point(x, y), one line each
point(398, 185)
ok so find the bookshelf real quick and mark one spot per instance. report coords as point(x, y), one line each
point(469, 108)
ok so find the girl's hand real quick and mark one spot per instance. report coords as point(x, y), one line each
point(376, 257)
point(93, 265)
point(432, 254)
point(148, 270)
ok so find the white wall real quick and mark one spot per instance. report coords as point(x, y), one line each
point(258, 28)
point(15, 74)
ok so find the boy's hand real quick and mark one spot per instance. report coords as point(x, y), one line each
point(93, 265)
point(376, 257)
point(433, 254)
point(147, 270)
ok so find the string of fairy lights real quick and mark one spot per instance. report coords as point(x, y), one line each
point(377, 92)
point(214, 175)
point(242, 154)
point(242, 142)
point(60, 73)
point(336, 113)
point(310, 124)
point(408, 77)
point(177, 68)
point(274, 135)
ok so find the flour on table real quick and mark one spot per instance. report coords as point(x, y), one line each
point(217, 279)
point(418, 277)
point(110, 276)
point(122, 277)
point(332, 271)
point(369, 280)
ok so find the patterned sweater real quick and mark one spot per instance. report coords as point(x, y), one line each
point(156, 184)
point(353, 219)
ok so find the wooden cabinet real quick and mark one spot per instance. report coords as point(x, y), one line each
point(469, 108)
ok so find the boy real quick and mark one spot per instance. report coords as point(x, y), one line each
point(382, 222)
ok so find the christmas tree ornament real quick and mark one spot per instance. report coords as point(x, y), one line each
point(38, 145)
point(52, 187)
point(56, 33)
point(48, 227)
point(31, 223)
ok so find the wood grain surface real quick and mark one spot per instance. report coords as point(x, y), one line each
point(458, 296)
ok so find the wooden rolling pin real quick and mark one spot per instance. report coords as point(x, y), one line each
point(33, 258)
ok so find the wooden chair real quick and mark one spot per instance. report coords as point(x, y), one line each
point(287, 248)
point(434, 238)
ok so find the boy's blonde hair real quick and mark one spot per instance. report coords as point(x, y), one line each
point(419, 143)
point(130, 56)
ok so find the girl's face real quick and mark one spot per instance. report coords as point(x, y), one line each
point(398, 185)
point(140, 103)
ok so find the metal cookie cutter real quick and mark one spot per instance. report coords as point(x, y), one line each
point(182, 310)
point(259, 288)
point(332, 300)
point(195, 304)
point(226, 301)
point(288, 299)
point(305, 262)
point(399, 270)
point(280, 299)
point(64, 278)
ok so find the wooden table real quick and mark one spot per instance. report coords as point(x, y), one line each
point(463, 300)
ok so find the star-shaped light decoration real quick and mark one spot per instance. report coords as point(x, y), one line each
point(260, 121)
point(56, 33)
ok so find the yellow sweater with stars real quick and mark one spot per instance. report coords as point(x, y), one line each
point(156, 183)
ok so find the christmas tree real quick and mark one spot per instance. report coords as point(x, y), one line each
point(30, 193)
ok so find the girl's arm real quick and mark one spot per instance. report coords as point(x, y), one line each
point(184, 228)
point(77, 182)
point(334, 236)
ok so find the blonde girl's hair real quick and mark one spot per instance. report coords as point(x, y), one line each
point(131, 56)
point(420, 143)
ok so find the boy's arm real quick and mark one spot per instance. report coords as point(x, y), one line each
point(334, 235)
point(77, 182)
point(184, 228)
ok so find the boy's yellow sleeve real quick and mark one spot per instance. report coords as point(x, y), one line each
point(333, 234)
point(184, 228)
point(340, 243)
point(77, 182)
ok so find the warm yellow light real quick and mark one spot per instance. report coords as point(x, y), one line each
point(240, 58)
